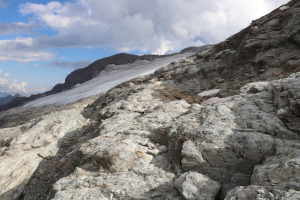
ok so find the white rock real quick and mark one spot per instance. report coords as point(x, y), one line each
point(209, 93)
point(191, 157)
point(20, 160)
point(217, 100)
point(151, 145)
point(254, 29)
point(250, 192)
point(6, 141)
point(284, 8)
point(162, 148)
point(195, 186)
point(153, 152)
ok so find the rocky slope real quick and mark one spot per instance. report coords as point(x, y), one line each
point(221, 124)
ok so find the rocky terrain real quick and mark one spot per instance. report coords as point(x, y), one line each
point(223, 123)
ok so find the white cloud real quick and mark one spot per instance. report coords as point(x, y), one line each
point(0, 71)
point(3, 81)
point(22, 50)
point(156, 26)
point(17, 87)
point(12, 87)
point(6, 75)
point(16, 28)
point(77, 64)
point(24, 57)
point(53, 14)
point(164, 47)
point(38, 90)
point(124, 49)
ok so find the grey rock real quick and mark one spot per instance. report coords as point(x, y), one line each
point(195, 186)
point(153, 152)
point(162, 148)
point(284, 8)
point(25, 149)
point(209, 93)
point(89, 194)
point(288, 195)
point(253, 192)
point(191, 157)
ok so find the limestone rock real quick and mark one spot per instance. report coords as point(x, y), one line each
point(195, 186)
point(284, 8)
point(252, 192)
point(162, 148)
point(191, 157)
point(26, 148)
point(209, 93)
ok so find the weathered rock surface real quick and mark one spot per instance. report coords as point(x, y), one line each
point(193, 186)
point(249, 192)
point(24, 146)
point(240, 136)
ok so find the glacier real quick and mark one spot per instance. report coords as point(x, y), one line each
point(111, 76)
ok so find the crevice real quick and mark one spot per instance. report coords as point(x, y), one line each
point(51, 169)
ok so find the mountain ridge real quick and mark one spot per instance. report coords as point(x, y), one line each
point(82, 75)
point(222, 123)
point(8, 98)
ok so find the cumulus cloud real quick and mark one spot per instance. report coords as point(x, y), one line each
point(13, 87)
point(76, 65)
point(24, 57)
point(16, 28)
point(154, 26)
point(38, 90)
point(17, 87)
point(22, 50)
point(3, 81)
point(6, 75)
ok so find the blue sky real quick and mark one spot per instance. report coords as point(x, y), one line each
point(41, 42)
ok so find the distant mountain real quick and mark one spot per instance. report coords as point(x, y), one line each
point(82, 75)
point(4, 94)
point(112, 75)
point(8, 98)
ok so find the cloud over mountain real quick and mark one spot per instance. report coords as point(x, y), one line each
point(12, 87)
point(76, 65)
point(124, 25)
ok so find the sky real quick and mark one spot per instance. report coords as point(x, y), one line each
point(41, 42)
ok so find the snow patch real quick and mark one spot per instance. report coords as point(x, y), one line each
point(111, 76)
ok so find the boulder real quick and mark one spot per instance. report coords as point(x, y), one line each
point(195, 186)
